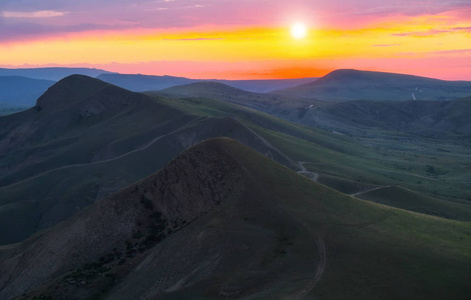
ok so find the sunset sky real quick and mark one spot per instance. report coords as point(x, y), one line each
point(239, 39)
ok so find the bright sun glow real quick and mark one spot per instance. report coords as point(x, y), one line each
point(298, 30)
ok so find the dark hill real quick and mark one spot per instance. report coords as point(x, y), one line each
point(221, 221)
point(86, 139)
point(347, 85)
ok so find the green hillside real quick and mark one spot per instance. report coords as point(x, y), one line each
point(403, 198)
point(235, 224)
point(87, 139)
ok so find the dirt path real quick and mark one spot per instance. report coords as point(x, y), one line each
point(370, 190)
point(312, 175)
point(269, 145)
point(150, 143)
point(322, 249)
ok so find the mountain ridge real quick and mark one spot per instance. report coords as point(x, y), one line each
point(350, 84)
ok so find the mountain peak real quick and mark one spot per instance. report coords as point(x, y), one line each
point(70, 89)
point(368, 77)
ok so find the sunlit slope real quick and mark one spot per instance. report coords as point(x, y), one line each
point(235, 224)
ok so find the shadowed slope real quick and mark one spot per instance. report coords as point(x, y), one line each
point(86, 139)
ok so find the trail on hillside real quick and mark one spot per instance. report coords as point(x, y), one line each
point(322, 249)
point(269, 145)
point(144, 147)
point(318, 237)
point(370, 190)
point(312, 175)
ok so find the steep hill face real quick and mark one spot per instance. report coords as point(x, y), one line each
point(86, 139)
point(223, 221)
point(347, 85)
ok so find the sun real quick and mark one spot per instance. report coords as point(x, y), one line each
point(298, 30)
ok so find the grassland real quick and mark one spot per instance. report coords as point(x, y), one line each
point(430, 167)
point(298, 240)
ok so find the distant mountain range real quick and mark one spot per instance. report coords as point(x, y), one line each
point(142, 83)
point(52, 74)
point(21, 92)
point(20, 88)
point(347, 85)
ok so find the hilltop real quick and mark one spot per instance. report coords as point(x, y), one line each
point(347, 85)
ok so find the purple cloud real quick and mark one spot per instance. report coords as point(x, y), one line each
point(73, 16)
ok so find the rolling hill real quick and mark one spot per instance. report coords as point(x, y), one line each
point(86, 139)
point(433, 119)
point(220, 91)
point(347, 85)
point(222, 221)
point(142, 83)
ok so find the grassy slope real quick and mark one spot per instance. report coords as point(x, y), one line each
point(345, 160)
point(426, 257)
point(369, 251)
point(407, 199)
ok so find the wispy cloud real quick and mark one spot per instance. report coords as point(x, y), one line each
point(33, 14)
point(432, 32)
point(195, 39)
